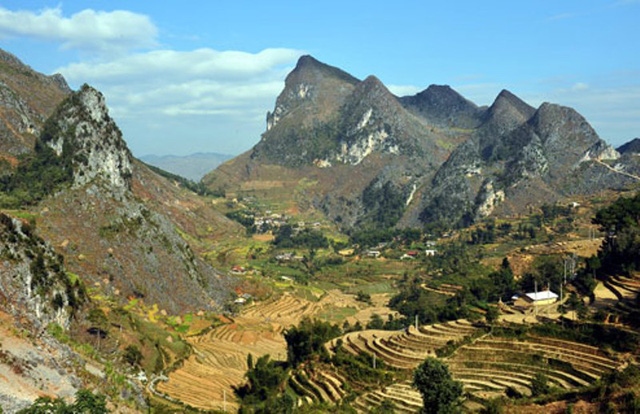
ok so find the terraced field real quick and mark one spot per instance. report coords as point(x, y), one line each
point(487, 366)
point(406, 349)
point(490, 365)
point(219, 360)
point(320, 385)
point(404, 397)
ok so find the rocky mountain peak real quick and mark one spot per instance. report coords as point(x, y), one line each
point(311, 83)
point(631, 147)
point(309, 67)
point(442, 105)
point(507, 113)
point(508, 104)
point(562, 129)
point(82, 129)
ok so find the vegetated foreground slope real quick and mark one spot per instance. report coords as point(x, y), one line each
point(373, 159)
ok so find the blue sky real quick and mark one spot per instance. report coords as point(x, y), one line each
point(199, 76)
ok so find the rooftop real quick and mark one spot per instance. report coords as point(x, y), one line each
point(545, 294)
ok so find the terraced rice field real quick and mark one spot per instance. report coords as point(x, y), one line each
point(404, 397)
point(317, 386)
point(219, 360)
point(489, 365)
point(406, 349)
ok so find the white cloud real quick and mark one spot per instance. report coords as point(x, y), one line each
point(579, 86)
point(199, 91)
point(404, 90)
point(88, 30)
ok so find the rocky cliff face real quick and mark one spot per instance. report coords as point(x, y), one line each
point(118, 225)
point(515, 147)
point(111, 237)
point(82, 127)
point(34, 285)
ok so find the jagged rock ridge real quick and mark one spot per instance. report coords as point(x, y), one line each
point(135, 248)
point(439, 155)
point(82, 125)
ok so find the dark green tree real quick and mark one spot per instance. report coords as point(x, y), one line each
point(620, 251)
point(540, 385)
point(308, 339)
point(132, 355)
point(440, 393)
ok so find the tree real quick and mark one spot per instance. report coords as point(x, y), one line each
point(86, 403)
point(492, 314)
point(440, 393)
point(132, 355)
point(308, 339)
point(540, 385)
point(90, 403)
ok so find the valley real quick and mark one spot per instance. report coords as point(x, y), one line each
point(365, 239)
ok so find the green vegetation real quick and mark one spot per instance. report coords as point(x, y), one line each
point(261, 393)
point(38, 175)
point(620, 252)
point(440, 393)
point(287, 237)
point(308, 339)
point(85, 403)
point(384, 205)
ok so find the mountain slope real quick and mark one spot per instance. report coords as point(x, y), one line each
point(120, 227)
point(112, 236)
point(369, 159)
point(346, 137)
point(27, 98)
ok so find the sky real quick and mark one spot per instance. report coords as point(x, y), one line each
point(199, 76)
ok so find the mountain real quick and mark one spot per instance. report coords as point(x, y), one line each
point(114, 222)
point(192, 167)
point(352, 139)
point(86, 229)
point(632, 146)
point(27, 98)
point(367, 158)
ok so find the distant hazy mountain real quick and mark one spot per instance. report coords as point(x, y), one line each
point(193, 166)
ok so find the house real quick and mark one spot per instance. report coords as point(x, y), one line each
point(430, 252)
point(545, 297)
point(373, 253)
point(407, 256)
point(238, 270)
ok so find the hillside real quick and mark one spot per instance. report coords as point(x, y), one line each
point(27, 99)
point(438, 158)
